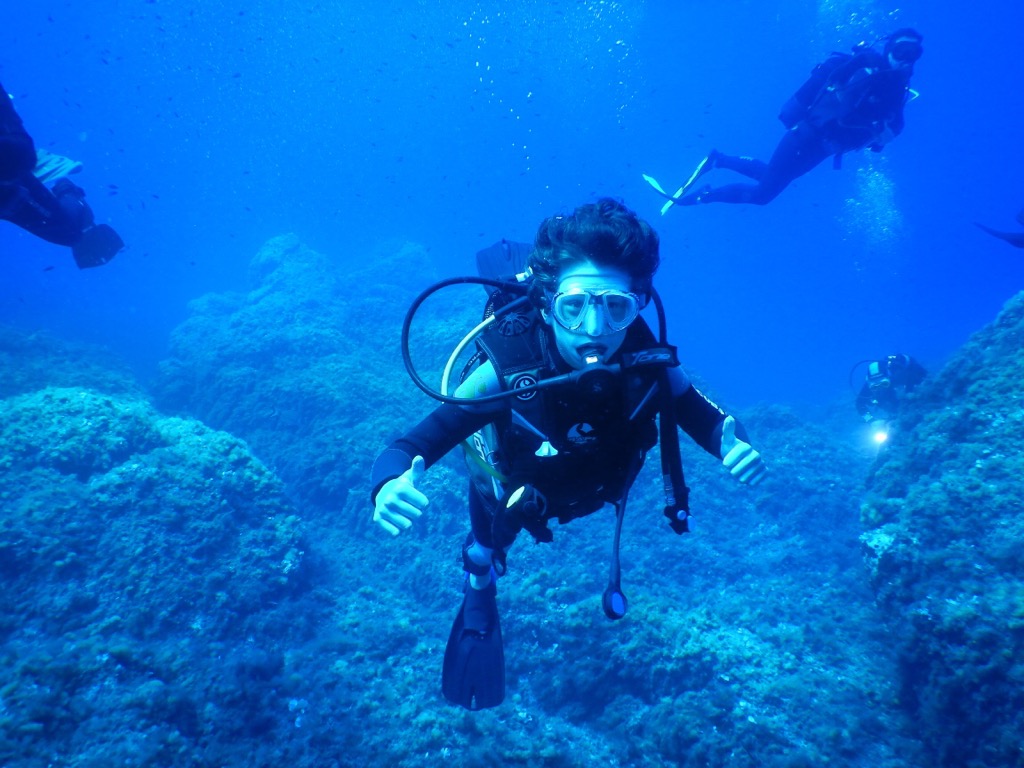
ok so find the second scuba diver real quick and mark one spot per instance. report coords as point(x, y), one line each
point(851, 101)
point(560, 415)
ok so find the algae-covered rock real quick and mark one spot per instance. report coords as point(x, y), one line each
point(306, 365)
point(750, 642)
point(31, 361)
point(74, 431)
point(142, 558)
point(944, 542)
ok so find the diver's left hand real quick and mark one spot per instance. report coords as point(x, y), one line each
point(743, 462)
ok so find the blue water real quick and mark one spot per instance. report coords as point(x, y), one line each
point(206, 128)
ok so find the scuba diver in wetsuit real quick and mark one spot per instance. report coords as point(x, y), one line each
point(879, 395)
point(560, 414)
point(851, 101)
point(61, 216)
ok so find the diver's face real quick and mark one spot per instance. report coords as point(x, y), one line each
point(899, 63)
point(904, 52)
point(596, 339)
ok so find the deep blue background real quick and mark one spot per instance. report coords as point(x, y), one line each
point(206, 128)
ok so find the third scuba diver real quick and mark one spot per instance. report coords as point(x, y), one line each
point(878, 398)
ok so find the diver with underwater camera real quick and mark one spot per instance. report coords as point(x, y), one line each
point(886, 380)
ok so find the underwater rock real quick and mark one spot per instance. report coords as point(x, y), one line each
point(157, 595)
point(140, 555)
point(748, 642)
point(944, 542)
point(312, 349)
point(31, 361)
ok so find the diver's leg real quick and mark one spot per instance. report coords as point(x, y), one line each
point(473, 671)
point(57, 218)
point(478, 553)
point(799, 151)
point(17, 154)
point(746, 166)
point(730, 193)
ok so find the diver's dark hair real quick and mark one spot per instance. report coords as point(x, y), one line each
point(606, 233)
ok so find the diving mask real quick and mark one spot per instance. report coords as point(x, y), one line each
point(618, 309)
point(906, 50)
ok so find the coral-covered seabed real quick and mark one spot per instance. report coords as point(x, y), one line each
point(193, 579)
point(944, 533)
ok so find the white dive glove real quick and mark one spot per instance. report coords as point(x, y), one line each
point(398, 501)
point(742, 461)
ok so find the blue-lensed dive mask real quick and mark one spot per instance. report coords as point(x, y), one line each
point(618, 309)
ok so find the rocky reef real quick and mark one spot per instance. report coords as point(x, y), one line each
point(198, 582)
point(32, 361)
point(944, 538)
point(311, 351)
point(142, 558)
point(754, 641)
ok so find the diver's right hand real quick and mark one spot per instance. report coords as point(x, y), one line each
point(398, 501)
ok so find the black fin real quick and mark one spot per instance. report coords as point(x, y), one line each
point(98, 245)
point(474, 660)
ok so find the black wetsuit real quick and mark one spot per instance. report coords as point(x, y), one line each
point(17, 152)
point(24, 200)
point(903, 373)
point(599, 447)
point(849, 102)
